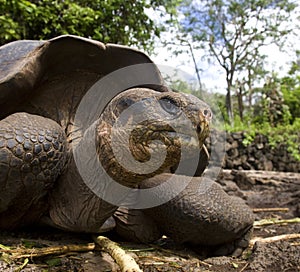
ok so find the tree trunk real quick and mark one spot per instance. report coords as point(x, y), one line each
point(229, 106)
point(228, 102)
point(196, 69)
point(229, 80)
point(240, 102)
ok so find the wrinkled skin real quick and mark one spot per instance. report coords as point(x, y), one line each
point(162, 111)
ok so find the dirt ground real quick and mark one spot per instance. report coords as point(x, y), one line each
point(259, 189)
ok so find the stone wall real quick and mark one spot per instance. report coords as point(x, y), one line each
point(257, 156)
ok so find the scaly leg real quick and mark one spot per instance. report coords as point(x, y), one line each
point(201, 215)
point(32, 155)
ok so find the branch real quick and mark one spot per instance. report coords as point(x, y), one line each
point(222, 64)
point(273, 239)
point(126, 262)
point(195, 65)
point(258, 210)
point(20, 253)
point(274, 221)
point(188, 44)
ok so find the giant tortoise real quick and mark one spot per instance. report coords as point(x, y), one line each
point(71, 104)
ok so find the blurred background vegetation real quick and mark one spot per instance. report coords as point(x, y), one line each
point(115, 21)
point(230, 32)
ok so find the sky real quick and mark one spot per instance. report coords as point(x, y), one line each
point(212, 75)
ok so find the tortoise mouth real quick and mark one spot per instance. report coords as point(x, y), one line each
point(185, 139)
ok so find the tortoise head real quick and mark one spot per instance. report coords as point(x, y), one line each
point(143, 132)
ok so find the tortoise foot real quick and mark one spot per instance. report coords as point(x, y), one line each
point(235, 248)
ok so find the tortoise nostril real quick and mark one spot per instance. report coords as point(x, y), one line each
point(199, 129)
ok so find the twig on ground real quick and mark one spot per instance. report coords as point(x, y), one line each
point(126, 262)
point(258, 210)
point(166, 260)
point(139, 249)
point(180, 254)
point(23, 265)
point(273, 239)
point(154, 263)
point(244, 267)
point(273, 221)
point(20, 253)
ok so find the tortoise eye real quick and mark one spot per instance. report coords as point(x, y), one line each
point(126, 102)
point(169, 105)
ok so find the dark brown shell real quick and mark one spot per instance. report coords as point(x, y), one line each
point(24, 64)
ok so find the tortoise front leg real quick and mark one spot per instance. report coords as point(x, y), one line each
point(201, 215)
point(32, 155)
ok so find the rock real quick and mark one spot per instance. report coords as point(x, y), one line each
point(233, 153)
point(237, 136)
point(243, 181)
point(268, 165)
point(246, 166)
point(260, 146)
point(258, 155)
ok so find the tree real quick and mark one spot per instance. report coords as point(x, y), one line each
point(273, 104)
point(183, 42)
point(245, 86)
point(290, 86)
point(115, 21)
point(280, 97)
point(234, 31)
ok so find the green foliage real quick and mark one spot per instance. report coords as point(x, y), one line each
point(276, 113)
point(271, 107)
point(292, 99)
point(284, 132)
point(233, 32)
point(288, 134)
point(9, 28)
point(115, 21)
point(290, 86)
point(278, 124)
